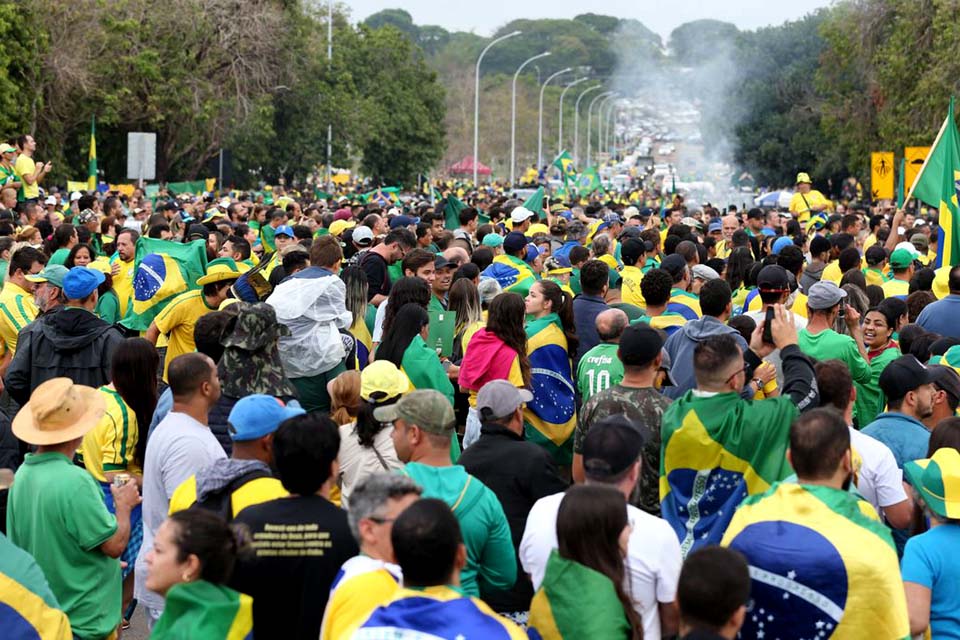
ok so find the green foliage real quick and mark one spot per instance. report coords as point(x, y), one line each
point(694, 42)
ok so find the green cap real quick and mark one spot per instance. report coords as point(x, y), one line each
point(900, 259)
point(937, 479)
point(427, 408)
point(52, 273)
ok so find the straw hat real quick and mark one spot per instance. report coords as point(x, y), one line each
point(58, 411)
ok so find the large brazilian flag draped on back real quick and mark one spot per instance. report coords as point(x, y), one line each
point(202, 609)
point(715, 452)
point(162, 270)
point(550, 418)
point(821, 566)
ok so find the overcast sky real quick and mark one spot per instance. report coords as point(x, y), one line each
point(483, 17)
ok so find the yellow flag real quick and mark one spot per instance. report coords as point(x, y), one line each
point(914, 161)
point(881, 175)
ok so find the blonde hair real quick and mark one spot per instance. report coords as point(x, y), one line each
point(345, 397)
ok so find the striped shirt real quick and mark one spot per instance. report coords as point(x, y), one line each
point(17, 310)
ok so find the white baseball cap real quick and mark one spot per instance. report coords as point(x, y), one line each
point(520, 214)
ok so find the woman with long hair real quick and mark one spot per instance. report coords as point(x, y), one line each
point(355, 281)
point(344, 393)
point(738, 266)
point(464, 302)
point(592, 535)
point(405, 290)
point(878, 327)
point(192, 559)
point(551, 416)
point(118, 444)
point(64, 239)
point(496, 352)
point(366, 444)
point(81, 255)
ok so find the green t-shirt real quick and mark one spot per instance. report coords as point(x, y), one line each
point(575, 281)
point(59, 256)
point(830, 345)
point(57, 514)
point(599, 369)
point(108, 307)
point(871, 401)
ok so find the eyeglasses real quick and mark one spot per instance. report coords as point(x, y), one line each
point(738, 372)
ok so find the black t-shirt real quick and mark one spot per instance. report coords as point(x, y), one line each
point(299, 544)
point(378, 279)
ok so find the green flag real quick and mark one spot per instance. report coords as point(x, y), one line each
point(451, 212)
point(936, 185)
point(535, 202)
point(589, 181)
point(565, 163)
point(900, 180)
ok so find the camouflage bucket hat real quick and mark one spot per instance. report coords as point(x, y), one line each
point(251, 361)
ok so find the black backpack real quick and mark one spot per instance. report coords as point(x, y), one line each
point(220, 501)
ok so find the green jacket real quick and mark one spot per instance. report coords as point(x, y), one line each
point(491, 558)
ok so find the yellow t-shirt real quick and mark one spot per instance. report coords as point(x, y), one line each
point(630, 287)
point(257, 491)
point(109, 446)
point(17, 310)
point(800, 304)
point(895, 288)
point(177, 320)
point(354, 599)
point(23, 166)
point(832, 273)
point(800, 208)
point(123, 284)
point(537, 228)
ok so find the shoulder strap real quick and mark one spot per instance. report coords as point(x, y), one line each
point(383, 463)
point(221, 502)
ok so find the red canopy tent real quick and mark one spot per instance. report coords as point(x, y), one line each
point(465, 167)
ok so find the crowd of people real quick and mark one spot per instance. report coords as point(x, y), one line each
point(391, 419)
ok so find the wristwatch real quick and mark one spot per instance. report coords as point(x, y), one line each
point(759, 383)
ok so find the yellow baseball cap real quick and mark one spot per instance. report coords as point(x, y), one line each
point(339, 226)
point(382, 380)
point(803, 178)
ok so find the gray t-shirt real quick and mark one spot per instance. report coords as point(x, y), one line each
point(179, 447)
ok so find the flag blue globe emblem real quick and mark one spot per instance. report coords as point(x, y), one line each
point(151, 274)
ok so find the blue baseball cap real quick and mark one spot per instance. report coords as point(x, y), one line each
point(716, 225)
point(81, 282)
point(780, 243)
point(284, 230)
point(257, 415)
point(403, 221)
point(533, 252)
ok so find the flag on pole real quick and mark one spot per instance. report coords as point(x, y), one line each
point(564, 163)
point(900, 181)
point(92, 158)
point(937, 185)
point(589, 181)
point(451, 212)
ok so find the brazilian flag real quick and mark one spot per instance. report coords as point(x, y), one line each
point(937, 184)
point(589, 181)
point(568, 589)
point(821, 566)
point(535, 202)
point(550, 418)
point(202, 609)
point(564, 163)
point(92, 157)
point(451, 212)
point(162, 270)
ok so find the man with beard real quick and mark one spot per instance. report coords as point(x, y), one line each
point(909, 388)
point(122, 267)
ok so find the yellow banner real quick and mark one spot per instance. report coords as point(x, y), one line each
point(881, 175)
point(914, 161)
point(76, 185)
point(125, 189)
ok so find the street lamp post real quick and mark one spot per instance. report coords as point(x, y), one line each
point(560, 128)
point(540, 119)
point(600, 107)
point(513, 113)
point(476, 102)
point(604, 131)
point(597, 97)
point(576, 123)
point(329, 63)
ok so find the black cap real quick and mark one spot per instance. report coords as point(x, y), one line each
point(875, 254)
point(948, 381)
point(631, 250)
point(442, 263)
point(773, 277)
point(197, 229)
point(514, 241)
point(905, 374)
point(629, 232)
point(610, 447)
point(639, 345)
point(674, 264)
